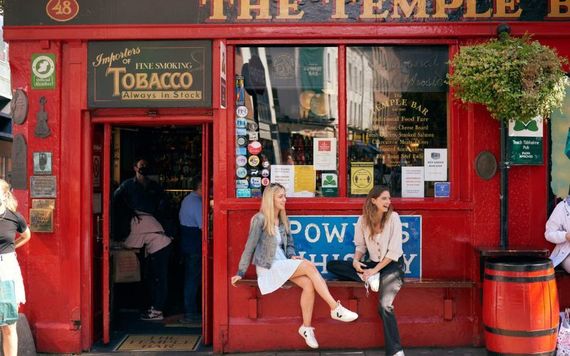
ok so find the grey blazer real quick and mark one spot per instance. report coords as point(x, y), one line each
point(262, 246)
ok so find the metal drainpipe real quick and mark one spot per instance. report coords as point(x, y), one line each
point(504, 193)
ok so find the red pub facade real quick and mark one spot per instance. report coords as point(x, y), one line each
point(325, 97)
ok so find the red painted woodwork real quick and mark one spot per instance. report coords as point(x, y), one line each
point(58, 266)
point(520, 307)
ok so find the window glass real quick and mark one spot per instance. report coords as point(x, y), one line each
point(286, 120)
point(397, 115)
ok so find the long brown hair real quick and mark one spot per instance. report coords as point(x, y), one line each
point(372, 223)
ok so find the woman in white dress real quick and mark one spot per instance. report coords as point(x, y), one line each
point(12, 292)
point(276, 262)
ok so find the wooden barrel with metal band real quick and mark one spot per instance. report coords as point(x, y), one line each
point(520, 306)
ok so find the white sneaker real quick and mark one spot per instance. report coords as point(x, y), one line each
point(373, 282)
point(308, 333)
point(399, 353)
point(343, 314)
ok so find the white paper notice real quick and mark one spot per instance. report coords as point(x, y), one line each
point(284, 175)
point(435, 163)
point(412, 182)
point(324, 154)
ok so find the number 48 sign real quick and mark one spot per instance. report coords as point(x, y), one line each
point(62, 10)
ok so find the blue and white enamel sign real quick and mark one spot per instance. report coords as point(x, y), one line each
point(323, 238)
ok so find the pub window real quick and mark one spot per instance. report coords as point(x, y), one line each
point(286, 120)
point(398, 136)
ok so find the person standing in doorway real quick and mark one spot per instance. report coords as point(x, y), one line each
point(145, 199)
point(11, 283)
point(190, 216)
point(378, 232)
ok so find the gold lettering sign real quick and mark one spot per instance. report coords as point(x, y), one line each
point(150, 74)
point(374, 10)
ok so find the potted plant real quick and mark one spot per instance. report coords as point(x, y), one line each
point(515, 78)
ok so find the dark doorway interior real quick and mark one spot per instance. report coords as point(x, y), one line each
point(174, 156)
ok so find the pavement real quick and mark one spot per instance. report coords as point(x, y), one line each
point(374, 352)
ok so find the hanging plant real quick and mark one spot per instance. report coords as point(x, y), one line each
point(515, 78)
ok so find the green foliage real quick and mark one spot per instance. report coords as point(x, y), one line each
point(515, 78)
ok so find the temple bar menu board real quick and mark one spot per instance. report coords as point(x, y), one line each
point(150, 74)
point(410, 102)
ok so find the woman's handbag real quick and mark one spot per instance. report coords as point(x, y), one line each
point(8, 304)
point(563, 340)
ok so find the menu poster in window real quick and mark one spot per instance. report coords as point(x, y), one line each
point(284, 175)
point(413, 182)
point(324, 154)
point(435, 164)
point(361, 177)
point(305, 177)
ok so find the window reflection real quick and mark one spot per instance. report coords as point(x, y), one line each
point(396, 110)
point(292, 112)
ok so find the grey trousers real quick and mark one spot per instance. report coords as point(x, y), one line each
point(391, 280)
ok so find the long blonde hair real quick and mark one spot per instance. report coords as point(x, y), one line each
point(372, 222)
point(268, 209)
point(7, 197)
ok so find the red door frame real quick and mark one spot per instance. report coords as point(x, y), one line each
point(206, 122)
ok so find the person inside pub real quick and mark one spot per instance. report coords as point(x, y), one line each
point(137, 203)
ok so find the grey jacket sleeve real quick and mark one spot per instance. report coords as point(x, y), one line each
point(290, 249)
point(255, 230)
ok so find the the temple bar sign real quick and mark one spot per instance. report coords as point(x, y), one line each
point(94, 12)
point(150, 74)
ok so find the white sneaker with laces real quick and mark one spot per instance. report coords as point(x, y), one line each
point(399, 353)
point(343, 314)
point(373, 282)
point(152, 314)
point(308, 333)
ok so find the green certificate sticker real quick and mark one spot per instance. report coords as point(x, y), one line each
point(43, 71)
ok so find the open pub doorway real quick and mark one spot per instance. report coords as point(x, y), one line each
point(174, 163)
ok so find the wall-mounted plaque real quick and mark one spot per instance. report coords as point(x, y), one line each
point(19, 106)
point(43, 187)
point(43, 204)
point(42, 162)
point(41, 220)
point(19, 162)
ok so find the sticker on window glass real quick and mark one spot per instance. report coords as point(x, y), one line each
point(253, 161)
point(241, 172)
point(254, 147)
point(241, 123)
point(241, 140)
point(243, 193)
point(241, 111)
point(255, 182)
point(241, 161)
point(242, 183)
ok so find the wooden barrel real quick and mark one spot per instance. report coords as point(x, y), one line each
point(520, 306)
